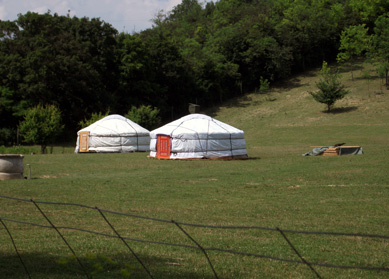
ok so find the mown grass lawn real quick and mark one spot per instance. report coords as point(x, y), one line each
point(275, 188)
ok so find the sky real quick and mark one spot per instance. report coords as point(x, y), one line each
point(124, 15)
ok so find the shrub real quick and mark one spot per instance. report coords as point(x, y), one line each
point(16, 150)
point(145, 116)
point(264, 85)
point(7, 136)
point(93, 118)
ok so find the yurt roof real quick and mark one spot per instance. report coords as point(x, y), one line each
point(115, 125)
point(197, 126)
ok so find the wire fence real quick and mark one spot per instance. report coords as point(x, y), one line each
point(180, 225)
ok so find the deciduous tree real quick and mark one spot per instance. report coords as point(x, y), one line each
point(41, 125)
point(354, 42)
point(52, 59)
point(381, 44)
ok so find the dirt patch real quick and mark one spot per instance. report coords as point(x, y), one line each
point(48, 176)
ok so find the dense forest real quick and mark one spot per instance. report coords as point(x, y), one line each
point(201, 53)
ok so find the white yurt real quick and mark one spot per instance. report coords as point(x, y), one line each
point(113, 133)
point(197, 136)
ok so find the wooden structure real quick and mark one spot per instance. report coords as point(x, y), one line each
point(193, 108)
point(338, 150)
point(84, 142)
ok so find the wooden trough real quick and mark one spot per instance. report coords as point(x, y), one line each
point(339, 150)
point(331, 151)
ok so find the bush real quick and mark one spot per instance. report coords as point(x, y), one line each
point(7, 136)
point(145, 116)
point(264, 85)
point(16, 150)
point(93, 118)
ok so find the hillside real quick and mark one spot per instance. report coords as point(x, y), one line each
point(290, 116)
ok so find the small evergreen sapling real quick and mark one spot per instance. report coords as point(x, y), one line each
point(330, 88)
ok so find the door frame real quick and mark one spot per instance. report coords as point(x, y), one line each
point(163, 146)
point(83, 143)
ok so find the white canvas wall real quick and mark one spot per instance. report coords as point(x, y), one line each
point(116, 133)
point(200, 136)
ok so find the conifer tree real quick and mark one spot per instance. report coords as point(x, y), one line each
point(330, 88)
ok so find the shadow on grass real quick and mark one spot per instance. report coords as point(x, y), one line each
point(42, 265)
point(350, 68)
point(342, 110)
point(246, 100)
point(239, 102)
point(367, 79)
point(292, 83)
point(253, 158)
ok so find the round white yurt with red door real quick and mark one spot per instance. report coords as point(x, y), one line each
point(113, 133)
point(197, 136)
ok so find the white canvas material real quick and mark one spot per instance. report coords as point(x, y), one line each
point(200, 136)
point(115, 133)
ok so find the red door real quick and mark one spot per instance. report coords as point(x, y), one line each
point(163, 146)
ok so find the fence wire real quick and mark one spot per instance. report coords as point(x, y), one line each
point(180, 226)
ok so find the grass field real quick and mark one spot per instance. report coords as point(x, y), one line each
point(275, 188)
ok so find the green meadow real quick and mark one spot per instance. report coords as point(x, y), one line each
point(276, 187)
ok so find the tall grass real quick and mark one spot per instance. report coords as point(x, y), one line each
point(35, 149)
point(276, 187)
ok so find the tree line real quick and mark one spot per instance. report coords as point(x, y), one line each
point(201, 53)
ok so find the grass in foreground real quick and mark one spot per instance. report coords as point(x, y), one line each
point(276, 187)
